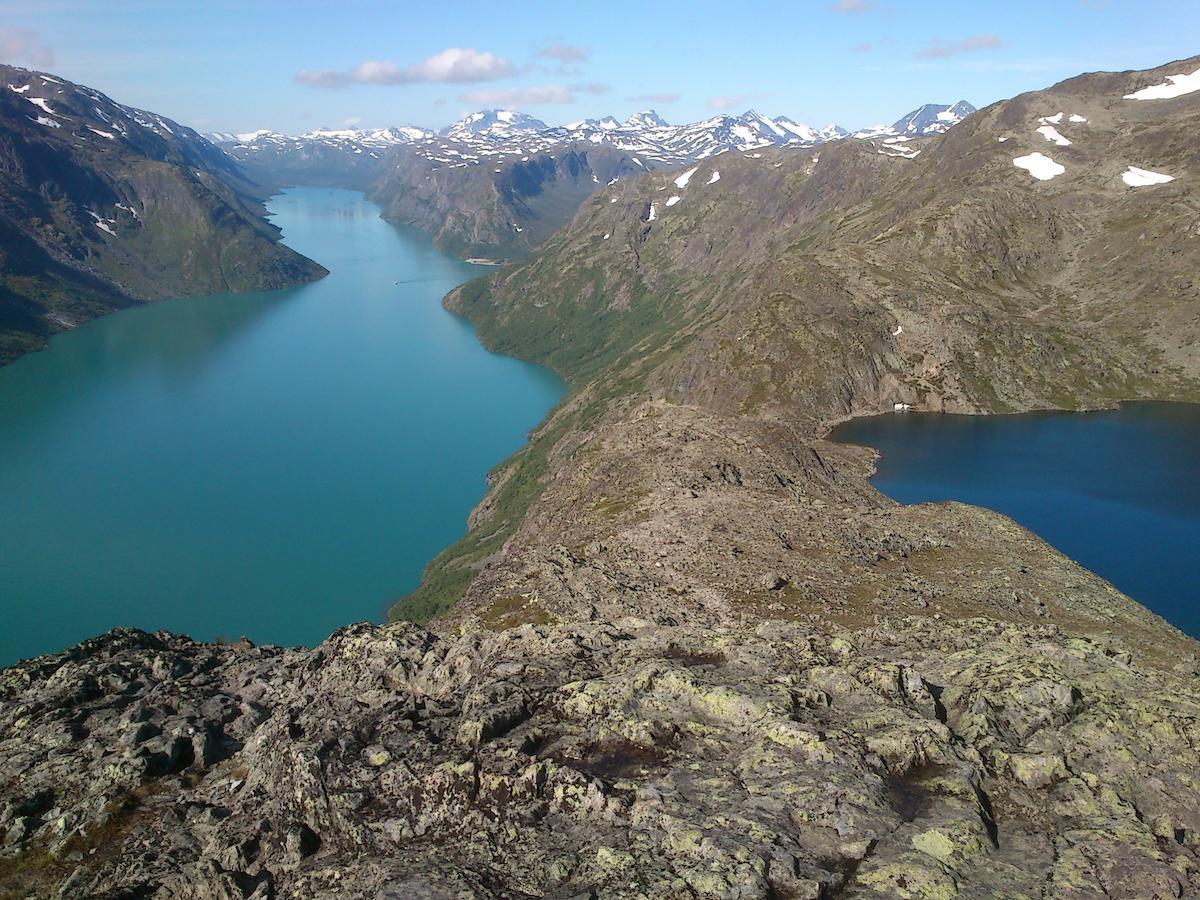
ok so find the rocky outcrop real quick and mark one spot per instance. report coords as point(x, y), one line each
point(618, 759)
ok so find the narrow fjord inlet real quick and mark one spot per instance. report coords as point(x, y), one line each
point(270, 464)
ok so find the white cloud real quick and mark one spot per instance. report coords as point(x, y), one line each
point(23, 47)
point(530, 96)
point(939, 49)
point(455, 65)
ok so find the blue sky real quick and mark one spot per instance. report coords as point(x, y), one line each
point(296, 65)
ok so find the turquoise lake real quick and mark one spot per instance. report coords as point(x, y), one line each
point(274, 465)
point(1118, 491)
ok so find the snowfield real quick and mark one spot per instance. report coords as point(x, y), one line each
point(1174, 86)
point(1135, 177)
point(1050, 133)
point(682, 180)
point(1043, 168)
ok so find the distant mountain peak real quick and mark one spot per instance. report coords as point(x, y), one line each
point(493, 122)
point(933, 118)
point(647, 118)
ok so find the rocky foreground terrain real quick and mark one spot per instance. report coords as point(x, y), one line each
point(686, 650)
point(103, 206)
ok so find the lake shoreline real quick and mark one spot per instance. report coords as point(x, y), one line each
point(1121, 526)
point(207, 415)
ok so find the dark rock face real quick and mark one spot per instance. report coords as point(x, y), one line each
point(501, 209)
point(621, 759)
point(103, 206)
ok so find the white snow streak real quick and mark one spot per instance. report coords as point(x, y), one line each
point(682, 180)
point(673, 200)
point(1050, 133)
point(1174, 86)
point(1135, 177)
point(716, 176)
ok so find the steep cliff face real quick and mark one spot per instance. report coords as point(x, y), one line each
point(103, 206)
point(686, 650)
point(503, 209)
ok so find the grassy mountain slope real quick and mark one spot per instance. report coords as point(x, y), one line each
point(801, 287)
point(103, 206)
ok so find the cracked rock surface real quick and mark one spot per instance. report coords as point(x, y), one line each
point(622, 759)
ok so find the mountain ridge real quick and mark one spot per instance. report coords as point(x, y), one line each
point(494, 184)
point(686, 649)
point(103, 206)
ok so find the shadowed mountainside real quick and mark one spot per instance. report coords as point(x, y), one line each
point(103, 206)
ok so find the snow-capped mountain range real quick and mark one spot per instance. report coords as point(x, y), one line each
point(646, 136)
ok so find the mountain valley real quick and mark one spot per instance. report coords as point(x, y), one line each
point(685, 649)
point(497, 183)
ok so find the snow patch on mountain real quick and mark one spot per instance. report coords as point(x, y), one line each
point(1135, 177)
point(1050, 133)
point(682, 180)
point(1041, 167)
point(1174, 86)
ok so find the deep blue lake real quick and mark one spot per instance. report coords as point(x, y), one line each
point(273, 465)
point(1118, 491)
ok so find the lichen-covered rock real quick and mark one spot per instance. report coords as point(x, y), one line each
point(601, 758)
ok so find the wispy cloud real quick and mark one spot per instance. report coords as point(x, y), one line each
point(520, 96)
point(591, 87)
point(860, 48)
point(23, 47)
point(565, 53)
point(940, 49)
point(664, 97)
point(454, 65)
point(852, 6)
point(732, 100)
